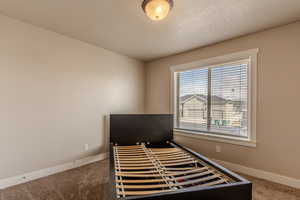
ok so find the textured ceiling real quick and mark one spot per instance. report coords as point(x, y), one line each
point(121, 26)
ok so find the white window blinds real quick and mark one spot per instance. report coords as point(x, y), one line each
point(214, 99)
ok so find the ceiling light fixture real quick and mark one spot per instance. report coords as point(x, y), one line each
point(157, 9)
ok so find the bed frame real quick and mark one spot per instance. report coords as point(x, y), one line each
point(146, 164)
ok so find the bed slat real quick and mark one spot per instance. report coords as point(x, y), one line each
point(158, 170)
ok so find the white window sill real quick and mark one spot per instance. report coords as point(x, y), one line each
point(217, 138)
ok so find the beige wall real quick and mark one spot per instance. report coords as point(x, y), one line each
point(55, 92)
point(278, 133)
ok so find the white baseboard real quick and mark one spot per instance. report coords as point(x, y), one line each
point(292, 182)
point(8, 182)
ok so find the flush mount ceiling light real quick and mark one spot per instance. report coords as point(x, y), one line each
point(157, 9)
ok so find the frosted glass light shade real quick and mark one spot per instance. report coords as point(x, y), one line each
point(157, 9)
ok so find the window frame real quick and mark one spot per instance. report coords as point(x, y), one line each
point(251, 57)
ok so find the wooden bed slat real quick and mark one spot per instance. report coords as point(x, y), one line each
point(132, 156)
point(133, 168)
point(125, 150)
point(187, 172)
point(196, 181)
point(169, 185)
point(166, 152)
point(193, 175)
point(133, 193)
point(128, 146)
point(138, 175)
point(136, 161)
point(129, 150)
point(144, 186)
point(125, 174)
point(134, 153)
point(142, 181)
point(181, 163)
point(171, 155)
point(174, 161)
point(141, 172)
point(180, 168)
point(162, 180)
point(135, 164)
point(174, 158)
point(162, 149)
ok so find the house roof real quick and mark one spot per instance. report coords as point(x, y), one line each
point(216, 100)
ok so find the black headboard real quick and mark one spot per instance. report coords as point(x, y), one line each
point(132, 129)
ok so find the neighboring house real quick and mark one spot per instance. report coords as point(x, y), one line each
point(193, 109)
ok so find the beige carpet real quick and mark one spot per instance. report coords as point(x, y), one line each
point(89, 182)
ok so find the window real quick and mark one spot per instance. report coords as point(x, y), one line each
point(215, 99)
